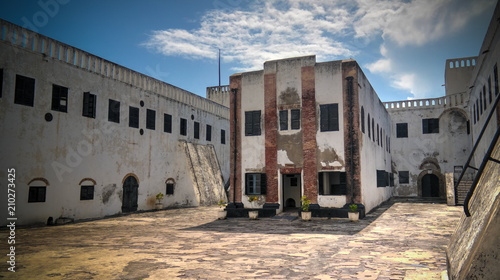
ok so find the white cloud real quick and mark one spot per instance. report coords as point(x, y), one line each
point(405, 82)
point(380, 66)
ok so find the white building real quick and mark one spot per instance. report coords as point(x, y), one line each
point(89, 138)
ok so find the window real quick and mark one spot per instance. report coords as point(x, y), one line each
point(378, 135)
point(114, 111)
point(295, 118)
point(255, 183)
point(489, 90)
point(484, 98)
point(329, 117)
point(474, 113)
point(25, 91)
point(495, 77)
point(89, 105)
point(133, 117)
point(402, 130)
point(209, 133)
point(167, 123)
point(430, 126)
point(252, 123)
point(404, 177)
point(373, 130)
point(36, 194)
point(382, 180)
point(223, 136)
point(183, 130)
point(284, 120)
point(150, 119)
point(1, 81)
point(369, 130)
point(59, 98)
point(391, 179)
point(362, 119)
point(481, 103)
point(332, 183)
point(87, 193)
point(170, 188)
point(196, 130)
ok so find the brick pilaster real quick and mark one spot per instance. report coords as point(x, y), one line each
point(271, 134)
point(309, 133)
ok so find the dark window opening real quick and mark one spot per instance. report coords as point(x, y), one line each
point(362, 119)
point(495, 77)
point(209, 133)
point(373, 130)
point(1, 82)
point(37, 194)
point(151, 119)
point(167, 123)
point(402, 130)
point(25, 91)
point(114, 111)
point(59, 98)
point(252, 123)
point(484, 98)
point(382, 179)
point(183, 129)
point(170, 189)
point(255, 183)
point(87, 193)
point(430, 126)
point(133, 117)
point(404, 177)
point(223, 136)
point(89, 105)
point(329, 117)
point(332, 183)
point(369, 130)
point(295, 118)
point(196, 130)
point(489, 90)
point(284, 120)
point(378, 135)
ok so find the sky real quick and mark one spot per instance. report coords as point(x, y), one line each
point(401, 45)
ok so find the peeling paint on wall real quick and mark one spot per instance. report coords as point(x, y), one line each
point(107, 192)
point(329, 159)
point(290, 96)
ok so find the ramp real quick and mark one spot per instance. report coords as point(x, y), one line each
point(204, 169)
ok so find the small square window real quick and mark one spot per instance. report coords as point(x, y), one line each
point(402, 130)
point(114, 111)
point(404, 177)
point(255, 183)
point(430, 126)
point(25, 91)
point(332, 183)
point(87, 193)
point(59, 98)
point(170, 188)
point(36, 194)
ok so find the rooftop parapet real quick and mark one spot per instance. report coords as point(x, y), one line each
point(448, 101)
point(37, 43)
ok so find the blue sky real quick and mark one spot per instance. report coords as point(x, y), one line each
point(401, 45)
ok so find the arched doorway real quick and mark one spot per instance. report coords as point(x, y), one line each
point(430, 186)
point(130, 193)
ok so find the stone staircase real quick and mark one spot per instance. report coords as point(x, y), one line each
point(461, 191)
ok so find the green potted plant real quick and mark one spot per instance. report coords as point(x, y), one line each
point(353, 214)
point(159, 204)
point(253, 214)
point(305, 213)
point(222, 214)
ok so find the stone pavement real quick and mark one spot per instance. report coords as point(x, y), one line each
point(399, 240)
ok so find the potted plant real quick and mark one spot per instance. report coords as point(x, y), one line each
point(353, 214)
point(253, 214)
point(222, 214)
point(306, 214)
point(159, 204)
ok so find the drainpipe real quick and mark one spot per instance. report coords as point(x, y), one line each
point(235, 91)
point(351, 132)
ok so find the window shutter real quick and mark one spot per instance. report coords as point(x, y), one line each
point(248, 123)
point(425, 126)
point(256, 123)
point(284, 120)
point(334, 117)
point(246, 182)
point(295, 118)
point(323, 117)
point(263, 183)
point(321, 183)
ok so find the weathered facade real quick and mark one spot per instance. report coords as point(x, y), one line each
point(89, 138)
point(308, 128)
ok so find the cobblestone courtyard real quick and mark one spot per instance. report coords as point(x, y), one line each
point(399, 240)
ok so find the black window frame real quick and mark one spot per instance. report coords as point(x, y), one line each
point(252, 177)
point(196, 130)
point(59, 94)
point(404, 177)
point(24, 91)
point(169, 188)
point(252, 123)
point(223, 136)
point(183, 127)
point(150, 119)
point(89, 105)
point(362, 115)
point(283, 118)
point(295, 119)
point(87, 192)
point(430, 126)
point(382, 180)
point(37, 194)
point(329, 117)
point(333, 189)
point(113, 114)
point(167, 123)
point(208, 136)
point(133, 117)
point(402, 130)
